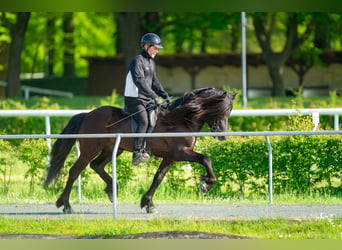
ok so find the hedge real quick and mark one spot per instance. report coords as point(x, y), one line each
point(301, 164)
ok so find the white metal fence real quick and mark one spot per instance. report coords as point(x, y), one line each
point(257, 112)
point(118, 137)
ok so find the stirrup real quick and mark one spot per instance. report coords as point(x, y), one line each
point(139, 157)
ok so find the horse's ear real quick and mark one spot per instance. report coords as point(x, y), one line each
point(233, 96)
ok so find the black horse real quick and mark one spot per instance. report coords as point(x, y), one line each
point(186, 114)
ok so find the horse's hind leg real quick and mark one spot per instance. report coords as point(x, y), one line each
point(146, 200)
point(74, 172)
point(98, 165)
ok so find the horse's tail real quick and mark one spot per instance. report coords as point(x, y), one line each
point(62, 148)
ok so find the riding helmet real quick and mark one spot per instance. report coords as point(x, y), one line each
point(151, 39)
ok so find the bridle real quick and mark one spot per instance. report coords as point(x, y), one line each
point(214, 126)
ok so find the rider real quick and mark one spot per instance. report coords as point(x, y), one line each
point(143, 87)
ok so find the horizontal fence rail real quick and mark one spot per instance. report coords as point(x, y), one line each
point(179, 134)
point(235, 112)
point(118, 137)
point(336, 112)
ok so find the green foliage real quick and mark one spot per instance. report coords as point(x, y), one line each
point(33, 153)
point(307, 163)
point(302, 165)
point(111, 100)
point(89, 40)
point(6, 165)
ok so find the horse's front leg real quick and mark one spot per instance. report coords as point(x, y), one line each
point(209, 179)
point(146, 199)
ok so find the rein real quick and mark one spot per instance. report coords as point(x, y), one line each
point(126, 117)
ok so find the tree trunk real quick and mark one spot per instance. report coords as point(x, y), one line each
point(275, 72)
point(69, 45)
point(130, 29)
point(50, 45)
point(4, 50)
point(275, 61)
point(301, 68)
point(17, 32)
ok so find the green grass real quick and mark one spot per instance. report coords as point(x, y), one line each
point(326, 228)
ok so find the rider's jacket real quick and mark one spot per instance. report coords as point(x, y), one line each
point(141, 79)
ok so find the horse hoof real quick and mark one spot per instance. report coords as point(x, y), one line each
point(151, 210)
point(204, 187)
point(110, 196)
point(67, 210)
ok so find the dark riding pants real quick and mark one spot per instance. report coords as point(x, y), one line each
point(138, 108)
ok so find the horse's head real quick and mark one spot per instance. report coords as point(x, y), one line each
point(218, 121)
point(200, 106)
point(219, 125)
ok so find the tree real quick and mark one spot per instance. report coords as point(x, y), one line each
point(4, 46)
point(50, 44)
point(17, 31)
point(303, 61)
point(130, 29)
point(325, 32)
point(265, 27)
point(208, 32)
point(69, 45)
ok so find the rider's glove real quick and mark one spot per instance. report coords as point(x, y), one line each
point(168, 100)
point(157, 101)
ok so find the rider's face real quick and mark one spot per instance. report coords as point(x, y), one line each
point(152, 50)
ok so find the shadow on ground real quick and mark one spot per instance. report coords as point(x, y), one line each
point(149, 235)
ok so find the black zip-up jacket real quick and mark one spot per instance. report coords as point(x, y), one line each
point(141, 79)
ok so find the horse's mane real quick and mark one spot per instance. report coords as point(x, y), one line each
point(204, 102)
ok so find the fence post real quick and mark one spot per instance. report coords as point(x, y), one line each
point(79, 188)
point(26, 93)
point(115, 150)
point(48, 132)
point(48, 140)
point(270, 169)
point(336, 122)
point(315, 120)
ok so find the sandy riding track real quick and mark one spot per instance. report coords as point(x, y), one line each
point(193, 211)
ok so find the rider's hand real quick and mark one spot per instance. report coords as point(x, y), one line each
point(157, 101)
point(168, 100)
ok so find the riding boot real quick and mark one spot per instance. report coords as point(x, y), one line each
point(139, 153)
